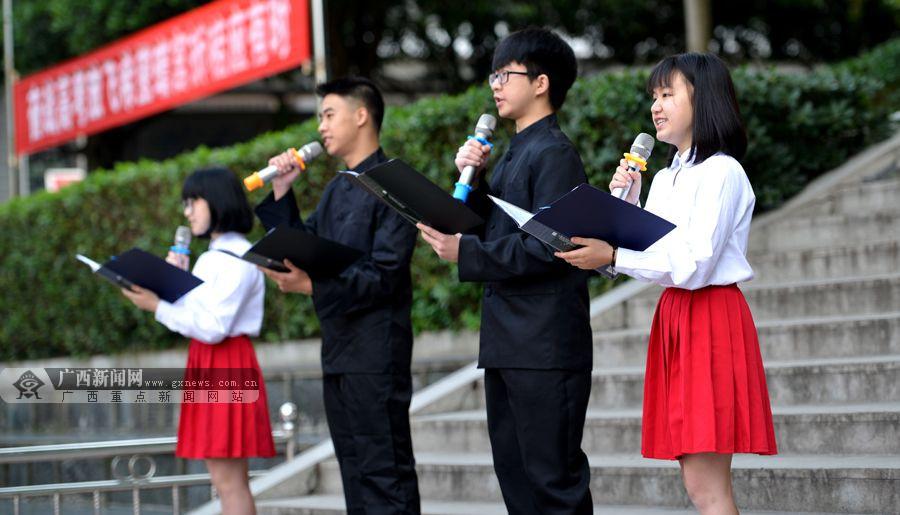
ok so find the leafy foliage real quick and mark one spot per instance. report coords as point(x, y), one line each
point(799, 125)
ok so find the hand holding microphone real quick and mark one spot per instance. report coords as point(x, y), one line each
point(284, 168)
point(626, 179)
point(473, 155)
point(180, 251)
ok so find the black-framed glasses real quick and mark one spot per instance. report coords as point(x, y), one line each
point(502, 77)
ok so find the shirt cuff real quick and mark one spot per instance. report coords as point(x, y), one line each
point(627, 260)
point(467, 261)
point(164, 313)
point(276, 212)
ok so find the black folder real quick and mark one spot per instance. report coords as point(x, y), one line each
point(320, 258)
point(590, 213)
point(416, 198)
point(137, 267)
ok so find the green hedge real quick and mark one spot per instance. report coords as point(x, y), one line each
point(800, 125)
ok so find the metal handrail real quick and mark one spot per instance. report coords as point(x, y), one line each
point(109, 448)
point(139, 448)
point(109, 485)
point(102, 449)
point(97, 488)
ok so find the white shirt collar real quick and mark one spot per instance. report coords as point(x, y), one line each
point(231, 241)
point(679, 162)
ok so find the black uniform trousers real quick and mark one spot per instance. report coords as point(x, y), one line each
point(368, 417)
point(536, 421)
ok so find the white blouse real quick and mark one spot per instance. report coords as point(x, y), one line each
point(711, 204)
point(228, 303)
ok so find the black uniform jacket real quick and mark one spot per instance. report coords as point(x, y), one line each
point(364, 312)
point(535, 309)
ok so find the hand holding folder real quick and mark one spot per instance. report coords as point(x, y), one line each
point(588, 212)
point(139, 268)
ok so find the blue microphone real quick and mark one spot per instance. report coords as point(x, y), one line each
point(484, 129)
point(182, 247)
point(182, 241)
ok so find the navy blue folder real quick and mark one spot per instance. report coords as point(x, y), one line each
point(137, 267)
point(590, 213)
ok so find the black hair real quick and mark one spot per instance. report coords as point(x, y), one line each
point(221, 189)
point(543, 53)
point(717, 117)
point(359, 88)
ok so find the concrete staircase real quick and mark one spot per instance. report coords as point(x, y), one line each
point(827, 304)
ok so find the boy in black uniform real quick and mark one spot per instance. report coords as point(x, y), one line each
point(536, 345)
point(364, 312)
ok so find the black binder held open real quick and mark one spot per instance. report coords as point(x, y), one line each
point(138, 267)
point(416, 198)
point(588, 212)
point(318, 257)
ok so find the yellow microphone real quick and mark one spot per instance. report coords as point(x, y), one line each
point(305, 155)
point(637, 160)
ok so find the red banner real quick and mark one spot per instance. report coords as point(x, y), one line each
point(213, 48)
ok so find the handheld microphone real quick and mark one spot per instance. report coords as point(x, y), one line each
point(181, 246)
point(637, 160)
point(182, 241)
point(306, 154)
point(484, 129)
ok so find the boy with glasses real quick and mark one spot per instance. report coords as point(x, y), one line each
point(536, 345)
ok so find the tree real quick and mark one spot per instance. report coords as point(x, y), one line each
point(49, 31)
point(455, 42)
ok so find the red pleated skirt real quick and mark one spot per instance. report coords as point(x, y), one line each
point(224, 429)
point(705, 387)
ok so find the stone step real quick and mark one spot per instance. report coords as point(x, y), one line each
point(825, 381)
point(790, 383)
point(848, 429)
point(330, 504)
point(818, 483)
point(868, 197)
point(785, 300)
point(823, 230)
point(334, 503)
point(871, 258)
point(799, 338)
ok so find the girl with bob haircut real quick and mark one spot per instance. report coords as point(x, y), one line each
point(705, 395)
point(219, 316)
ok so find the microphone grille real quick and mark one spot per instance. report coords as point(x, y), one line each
point(486, 123)
point(643, 145)
point(311, 151)
point(183, 236)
